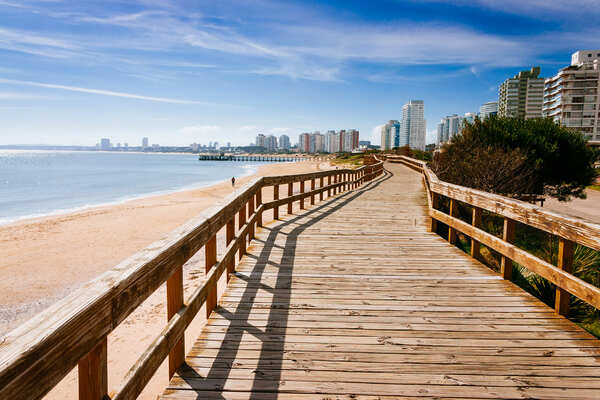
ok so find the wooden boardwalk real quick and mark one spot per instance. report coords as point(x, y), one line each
point(354, 299)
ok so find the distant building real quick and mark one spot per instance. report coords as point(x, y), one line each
point(487, 109)
point(284, 142)
point(350, 140)
point(571, 96)
point(413, 124)
point(260, 140)
point(105, 144)
point(328, 141)
point(364, 143)
point(304, 143)
point(390, 135)
point(270, 143)
point(522, 95)
point(144, 142)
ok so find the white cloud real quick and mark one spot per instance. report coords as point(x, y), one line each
point(21, 96)
point(99, 92)
point(535, 8)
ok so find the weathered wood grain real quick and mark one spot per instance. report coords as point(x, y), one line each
point(354, 298)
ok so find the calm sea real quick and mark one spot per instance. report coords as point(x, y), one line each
point(36, 183)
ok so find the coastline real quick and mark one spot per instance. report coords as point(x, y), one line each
point(45, 258)
point(25, 219)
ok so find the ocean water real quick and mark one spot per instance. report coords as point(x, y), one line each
point(38, 183)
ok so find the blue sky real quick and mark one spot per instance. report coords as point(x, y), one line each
point(193, 71)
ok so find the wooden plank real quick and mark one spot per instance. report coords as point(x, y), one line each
point(174, 304)
point(210, 259)
point(92, 373)
point(476, 222)
point(321, 179)
point(302, 191)
point(508, 235)
point(453, 213)
point(585, 291)
point(275, 198)
point(566, 251)
point(290, 202)
point(229, 237)
point(574, 229)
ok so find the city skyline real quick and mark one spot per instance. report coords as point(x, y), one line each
point(182, 73)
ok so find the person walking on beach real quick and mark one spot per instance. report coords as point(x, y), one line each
point(233, 181)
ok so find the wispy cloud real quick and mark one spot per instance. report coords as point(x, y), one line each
point(535, 8)
point(100, 92)
point(21, 96)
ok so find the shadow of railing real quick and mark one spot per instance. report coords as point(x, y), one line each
point(267, 367)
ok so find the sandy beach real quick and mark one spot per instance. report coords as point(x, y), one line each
point(46, 258)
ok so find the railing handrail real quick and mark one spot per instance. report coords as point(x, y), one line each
point(569, 230)
point(35, 356)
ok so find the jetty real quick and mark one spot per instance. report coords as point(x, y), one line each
point(338, 286)
point(233, 157)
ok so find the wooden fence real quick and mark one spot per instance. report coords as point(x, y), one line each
point(570, 231)
point(73, 332)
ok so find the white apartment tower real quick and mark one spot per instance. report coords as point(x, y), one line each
point(522, 95)
point(487, 109)
point(571, 97)
point(260, 140)
point(284, 142)
point(271, 143)
point(413, 124)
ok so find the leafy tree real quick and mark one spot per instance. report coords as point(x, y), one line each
point(514, 156)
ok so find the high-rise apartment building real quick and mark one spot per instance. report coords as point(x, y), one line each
point(487, 109)
point(270, 143)
point(571, 97)
point(144, 142)
point(390, 135)
point(413, 124)
point(451, 126)
point(304, 143)
point(260, 140)
point(284, 142)
point(522, 95)
point(350, 140)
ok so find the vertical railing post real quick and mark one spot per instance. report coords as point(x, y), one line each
point(435, 203)
point(329, 184)
point(566, 253)
point(453, 213)
point(92, 373)
point(302, 191)
point(312, 188)
point(229, 236)
point(258, 204)
point(508, 236)
point(210, 259)
point(174, 304)
point(290, 194)
point(276, 197)
point(250, 212)
point(321, 183)
point(476, 222)
point(335, 181)
point(241, 223)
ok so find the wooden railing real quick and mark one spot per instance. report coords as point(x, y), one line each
point(73, 332)
point(570, 231)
